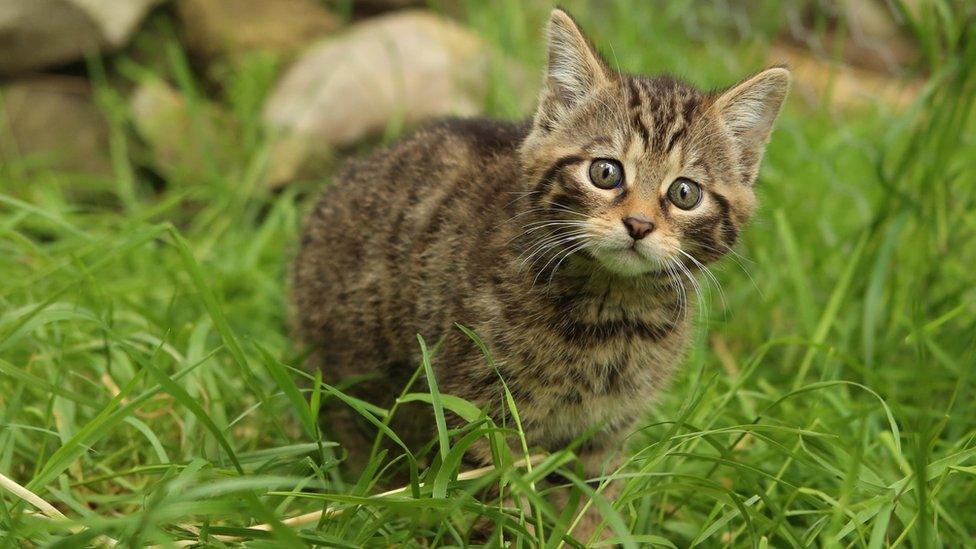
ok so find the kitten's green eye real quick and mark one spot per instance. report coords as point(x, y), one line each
point(606, 173)
point(684, 193)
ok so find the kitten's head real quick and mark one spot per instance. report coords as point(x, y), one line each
point(641, 172)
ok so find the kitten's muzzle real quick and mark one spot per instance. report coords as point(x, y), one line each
point(638, 227)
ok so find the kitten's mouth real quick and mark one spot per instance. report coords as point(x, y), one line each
point(628, 260)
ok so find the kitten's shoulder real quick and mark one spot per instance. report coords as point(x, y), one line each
point(447, 149)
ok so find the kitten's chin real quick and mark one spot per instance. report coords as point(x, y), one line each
point(626, 262)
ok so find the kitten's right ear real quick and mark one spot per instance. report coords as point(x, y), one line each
point(575, 68)
point(749, 108)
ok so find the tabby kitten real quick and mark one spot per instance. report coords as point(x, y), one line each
point(566, 243)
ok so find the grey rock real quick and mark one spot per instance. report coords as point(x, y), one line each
point(214, 28)
point(396, 69)
point(183, 142)
point(53, 122)
point(40, 33)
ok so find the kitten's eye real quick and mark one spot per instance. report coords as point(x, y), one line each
point(684, 193)
point(606, 173)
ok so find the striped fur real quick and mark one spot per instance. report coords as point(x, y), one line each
point(496, 226)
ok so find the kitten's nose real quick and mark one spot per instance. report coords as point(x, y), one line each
point(638, 227)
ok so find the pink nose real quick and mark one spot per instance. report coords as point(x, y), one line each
point(638, 227)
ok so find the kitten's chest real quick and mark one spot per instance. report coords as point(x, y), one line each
point(598, 354)
point(606, 386)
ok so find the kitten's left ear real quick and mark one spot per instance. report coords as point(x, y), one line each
point(749, 109)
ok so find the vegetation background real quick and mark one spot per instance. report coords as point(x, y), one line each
point(150, 392)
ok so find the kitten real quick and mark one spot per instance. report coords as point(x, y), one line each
point(564, 242)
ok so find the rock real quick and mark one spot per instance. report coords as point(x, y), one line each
point(399, 68)
point(388, 5)
point(294, 156)
point(359, 9)
point(846, 85)
point(216, 28)
point(373, 7)
point(41, 33)
point(870, 33)
point(875, 39)
point(53, 122)
point(181, 147)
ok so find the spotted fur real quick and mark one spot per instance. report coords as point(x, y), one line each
point(496, 226)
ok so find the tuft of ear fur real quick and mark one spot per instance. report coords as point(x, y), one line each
point(574, 70)
point(750, 107)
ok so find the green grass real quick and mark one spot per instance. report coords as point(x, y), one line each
point(150, 390)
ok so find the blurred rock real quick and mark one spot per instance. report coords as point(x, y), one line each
point(876, 40)
point(40, 33)
point(849, 53)
point(182, 143)
point(845, 85)
point(53, 122)
point(869, 31)
point(359, 9)
point(387, 5)
point(365, 8)
point(399, 68)
point(216, 28)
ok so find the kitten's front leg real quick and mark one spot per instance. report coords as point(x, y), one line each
point(596, 464)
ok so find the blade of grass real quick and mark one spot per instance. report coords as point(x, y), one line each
point(435, 398)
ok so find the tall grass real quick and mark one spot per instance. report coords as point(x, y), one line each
point(150, 391)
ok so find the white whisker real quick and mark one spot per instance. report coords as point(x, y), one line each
point(573, 249)
point(709, 275)
point(539, 250)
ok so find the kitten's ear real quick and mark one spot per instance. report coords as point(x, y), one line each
point(575, 68)
point(750, 107)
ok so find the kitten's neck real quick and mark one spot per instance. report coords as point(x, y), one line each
point(581, 286)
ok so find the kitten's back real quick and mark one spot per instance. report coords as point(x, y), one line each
point(424, 197)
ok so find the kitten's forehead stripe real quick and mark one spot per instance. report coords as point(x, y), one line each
point(675, 136)
point(636, 109)
point(660, 110)
point(691, 103)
